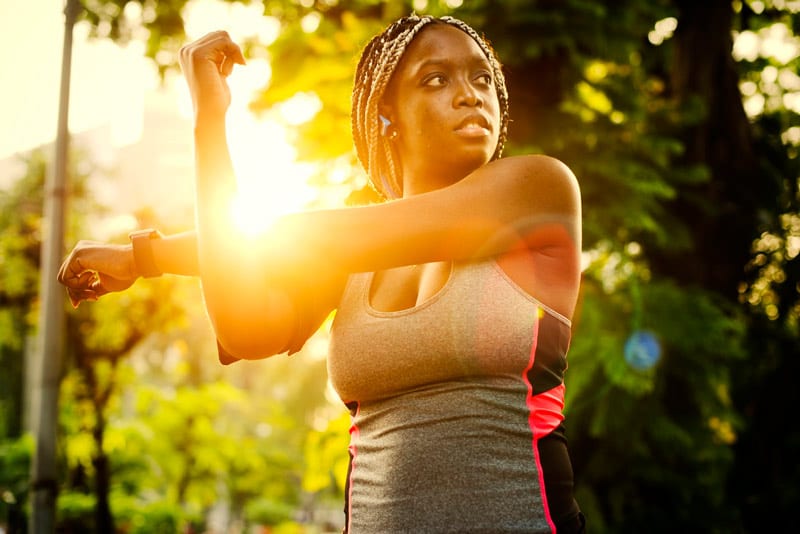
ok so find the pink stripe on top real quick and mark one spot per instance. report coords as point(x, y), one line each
point(538, 421)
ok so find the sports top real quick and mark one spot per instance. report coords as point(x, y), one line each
point(450, 400)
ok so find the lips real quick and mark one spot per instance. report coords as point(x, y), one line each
point(474, 126)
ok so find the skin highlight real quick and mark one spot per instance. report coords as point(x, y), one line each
point(443, 88)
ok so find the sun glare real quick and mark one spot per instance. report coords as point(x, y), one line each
point(270, 181)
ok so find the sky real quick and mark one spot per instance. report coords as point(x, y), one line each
point(129, 120)
point(31, 43)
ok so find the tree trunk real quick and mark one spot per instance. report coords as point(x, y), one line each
point(723, 211)
point(104, 521)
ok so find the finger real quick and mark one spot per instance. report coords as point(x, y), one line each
point(65, 270)
point(73, 279)
point(234, 53)
point(98, 289)
point(226, 66)
point(86, 279)
point(73, 298)
point(224, 44)
point(209, 38)
point(70, 270)
point(76, 296)
point(79, 280)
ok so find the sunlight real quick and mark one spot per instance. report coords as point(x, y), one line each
point(775, 42)
point(270, 181)
point(663, 30)
point(240, 20)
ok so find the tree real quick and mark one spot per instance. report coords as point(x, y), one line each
point(99, 338)
point(690, 224)
point(21, 222)
point(20, 217)
point(643, 102)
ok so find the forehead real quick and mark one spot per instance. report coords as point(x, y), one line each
point(441, 43)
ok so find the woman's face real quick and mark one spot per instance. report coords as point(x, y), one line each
point(443, 103)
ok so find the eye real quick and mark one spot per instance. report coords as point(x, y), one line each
point(435, 80)
point(484, 78)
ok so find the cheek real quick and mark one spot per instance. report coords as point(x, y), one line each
point(420, 119)
point(493, 105)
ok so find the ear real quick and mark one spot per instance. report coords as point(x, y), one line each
point(386, 112)
point(386, 117)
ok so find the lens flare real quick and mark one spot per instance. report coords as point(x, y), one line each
point(642, 350)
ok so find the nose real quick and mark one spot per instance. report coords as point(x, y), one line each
point(467, 95)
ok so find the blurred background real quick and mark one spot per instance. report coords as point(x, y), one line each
point(680, 120)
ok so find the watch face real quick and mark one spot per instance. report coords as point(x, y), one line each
point(149, 232)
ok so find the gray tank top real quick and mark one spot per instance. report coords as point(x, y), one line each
point(448, 400)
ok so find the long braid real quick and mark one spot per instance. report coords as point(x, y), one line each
point(378, 62)
point(374, 71)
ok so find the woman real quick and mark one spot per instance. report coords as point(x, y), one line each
point(453, 299)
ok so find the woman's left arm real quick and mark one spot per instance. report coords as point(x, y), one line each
point(525, 202)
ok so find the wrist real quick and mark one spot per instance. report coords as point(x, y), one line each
point(206, 119)
point(142, 249)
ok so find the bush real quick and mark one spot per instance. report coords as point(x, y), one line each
point(268, 512)
point(75, 512)
point(152, 518)
point(15, 462)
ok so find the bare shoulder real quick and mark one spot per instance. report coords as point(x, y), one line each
point(537, 170)
point(545, 194)
point(544, 191)
point(536, 182)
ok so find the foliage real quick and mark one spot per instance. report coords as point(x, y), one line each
point(688, 233)
point(15, 463)
point(159, 24)
point(75, 512)
point(600, 91)
point(268, 512)
point(156, 517)
point(325, 464)
point(19, 256)
point(20, 234)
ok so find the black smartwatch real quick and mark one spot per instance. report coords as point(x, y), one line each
point(143, 252)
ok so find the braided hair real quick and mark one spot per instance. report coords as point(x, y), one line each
point(375, 69)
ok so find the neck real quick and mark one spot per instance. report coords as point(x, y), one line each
point(418, 181)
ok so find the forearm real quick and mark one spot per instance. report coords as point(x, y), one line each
point(238, 296)
point(515, 203)
point(215, 182)
point(218, 250)
point(177, 254)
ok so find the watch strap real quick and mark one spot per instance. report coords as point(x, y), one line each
point(143, 252)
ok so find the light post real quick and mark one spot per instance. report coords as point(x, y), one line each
point(50, 338)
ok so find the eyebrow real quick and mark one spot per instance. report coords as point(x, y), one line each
point(446, 62)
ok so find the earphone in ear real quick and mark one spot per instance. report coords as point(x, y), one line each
point(386, 123)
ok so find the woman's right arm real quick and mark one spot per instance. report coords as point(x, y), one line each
point(254, 315)
point(93, 269)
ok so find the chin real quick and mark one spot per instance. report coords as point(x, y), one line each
point(475, 158)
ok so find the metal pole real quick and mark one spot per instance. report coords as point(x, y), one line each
point(50, 345)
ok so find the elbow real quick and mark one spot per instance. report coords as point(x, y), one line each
point(253, 332)
point(246, 348)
